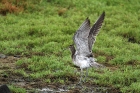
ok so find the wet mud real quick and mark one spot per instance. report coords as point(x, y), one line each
point(7, 76)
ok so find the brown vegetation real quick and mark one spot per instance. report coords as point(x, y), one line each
point(10, 6)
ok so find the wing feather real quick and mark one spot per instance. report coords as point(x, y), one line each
point(95, 30)
point(81, 38)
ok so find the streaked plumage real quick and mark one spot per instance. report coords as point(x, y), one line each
point(84, 38)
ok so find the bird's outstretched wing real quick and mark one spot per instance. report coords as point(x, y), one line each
point(94, 31)
point(81, 38)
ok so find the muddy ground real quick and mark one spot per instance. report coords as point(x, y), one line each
point(7, 66)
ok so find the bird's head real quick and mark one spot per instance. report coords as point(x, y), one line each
point(72, 48)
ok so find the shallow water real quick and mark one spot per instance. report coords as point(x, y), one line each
point(75, 89)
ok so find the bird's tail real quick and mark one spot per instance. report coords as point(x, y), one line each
point(97, 65)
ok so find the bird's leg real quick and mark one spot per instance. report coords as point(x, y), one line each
point(86, 74)
point(81, 75)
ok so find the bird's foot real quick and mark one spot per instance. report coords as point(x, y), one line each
point(79, 84)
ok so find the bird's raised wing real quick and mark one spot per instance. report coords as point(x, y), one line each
point(81, 38)
point(94, 31)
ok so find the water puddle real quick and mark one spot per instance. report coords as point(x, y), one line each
point(75, 89)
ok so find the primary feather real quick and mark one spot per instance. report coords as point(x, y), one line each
point(94, 31)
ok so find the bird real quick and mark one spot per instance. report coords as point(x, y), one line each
point(81, 51)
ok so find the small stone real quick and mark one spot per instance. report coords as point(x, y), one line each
point(2, 56)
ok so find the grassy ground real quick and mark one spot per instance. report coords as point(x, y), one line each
point(39, 31)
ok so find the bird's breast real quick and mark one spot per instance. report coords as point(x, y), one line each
point(82, 62)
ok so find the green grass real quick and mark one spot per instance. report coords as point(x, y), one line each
point(16, 89)
point(40, 35)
